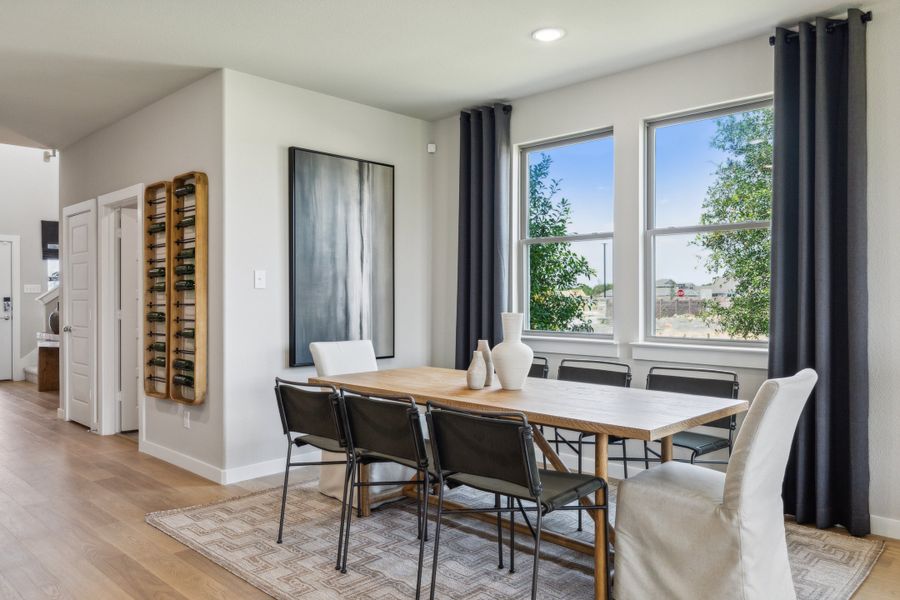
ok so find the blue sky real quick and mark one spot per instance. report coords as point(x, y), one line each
point(685, 167)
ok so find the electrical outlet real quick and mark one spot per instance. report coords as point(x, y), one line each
point(259, 279)
point(186, 415)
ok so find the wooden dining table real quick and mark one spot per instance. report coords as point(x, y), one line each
point(600, 410)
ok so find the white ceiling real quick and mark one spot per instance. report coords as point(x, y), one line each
point(70, 67)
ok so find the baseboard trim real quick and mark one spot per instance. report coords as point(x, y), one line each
point(885, 527)
point(267, 467)
point(188, 463)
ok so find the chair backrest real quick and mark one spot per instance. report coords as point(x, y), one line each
point(540, 367)
point(495, 445)
point(339, 358)
point(385, 424)
point(699, 382)
point(310, 409)
point(595, 371)
point(756, 469)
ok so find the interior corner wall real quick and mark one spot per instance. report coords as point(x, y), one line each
point(181, 132)
point(30, 195)
point(263, 119)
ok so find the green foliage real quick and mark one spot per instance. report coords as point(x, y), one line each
point(555, 268)
point(742, 192)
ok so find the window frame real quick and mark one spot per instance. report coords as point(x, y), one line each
point(651, 233)
point(523, 241)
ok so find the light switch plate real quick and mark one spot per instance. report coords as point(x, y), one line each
point(259, 279)
point(32, 288)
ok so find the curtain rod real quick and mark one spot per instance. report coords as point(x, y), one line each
point(864, 17)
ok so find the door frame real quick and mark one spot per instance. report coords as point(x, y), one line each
point(89, 206)
point(18, 369)
point(108, 286)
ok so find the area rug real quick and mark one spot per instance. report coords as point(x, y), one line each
point(239, 535)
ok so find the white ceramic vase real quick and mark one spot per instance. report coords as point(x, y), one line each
point(476, 372)
point(512, 357)
point(485, 348)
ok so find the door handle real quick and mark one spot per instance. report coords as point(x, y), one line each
point(67, 329)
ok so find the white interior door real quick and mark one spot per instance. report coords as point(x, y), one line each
point(6, 311)
point(129, 329)
point(79, 308)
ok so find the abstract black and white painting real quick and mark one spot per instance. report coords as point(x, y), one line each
point(341, 252)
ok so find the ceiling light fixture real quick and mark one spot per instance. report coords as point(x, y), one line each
point(548, 34)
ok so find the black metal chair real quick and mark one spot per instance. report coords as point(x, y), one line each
point(699, 382)
point(540, 367)
point(600, 372)
point(315, 411)
point(382, 429)
point(494, 453)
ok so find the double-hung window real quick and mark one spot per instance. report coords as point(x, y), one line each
point(566, 236)
point(709, 204)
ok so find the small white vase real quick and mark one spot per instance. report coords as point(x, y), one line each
point(512, 358)
point(485, 350)
point(476, 373)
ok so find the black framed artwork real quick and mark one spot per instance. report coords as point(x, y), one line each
point(341, 252)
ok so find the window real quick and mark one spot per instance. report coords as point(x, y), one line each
point(709, 204)
point(566, 245)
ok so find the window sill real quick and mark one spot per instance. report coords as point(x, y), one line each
point(719, 356)
point(575, 346)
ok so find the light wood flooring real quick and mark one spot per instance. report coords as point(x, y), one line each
point(72, 508)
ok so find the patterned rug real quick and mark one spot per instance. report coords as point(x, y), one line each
point(239, 535)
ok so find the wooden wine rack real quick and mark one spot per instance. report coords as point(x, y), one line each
point(187, 308)
point(158, 199)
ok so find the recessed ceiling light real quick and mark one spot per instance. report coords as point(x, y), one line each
point(548, 34)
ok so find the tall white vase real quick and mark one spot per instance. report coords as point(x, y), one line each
point(476, 372)
point(512, 357)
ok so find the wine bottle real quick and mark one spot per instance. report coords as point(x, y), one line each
point(156, 272)
point(185, 380)
point(159, 286)
point(186, 253)
point(186, 222)
point(186, 333)
point(157, 228)
point(183, 285)
point(184, 269)
point(183, 365)
point(157, 347)
point(156, 317)
point(157, 361)
point(184, 190)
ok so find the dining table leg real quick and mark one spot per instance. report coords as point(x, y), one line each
point(601, 571)
point(667, 450)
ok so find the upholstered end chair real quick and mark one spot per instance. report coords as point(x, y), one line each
point(340, 358)
point(685, 531)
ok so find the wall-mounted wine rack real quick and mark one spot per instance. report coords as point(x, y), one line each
point(175, 276)
point(157, 199)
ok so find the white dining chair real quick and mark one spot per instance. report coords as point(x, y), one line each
point(340, 358)
point(685, 531)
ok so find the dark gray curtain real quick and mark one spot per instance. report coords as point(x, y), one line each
point(819, 297)
point(483, 268)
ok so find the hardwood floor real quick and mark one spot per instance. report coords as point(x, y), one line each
point(72, 508)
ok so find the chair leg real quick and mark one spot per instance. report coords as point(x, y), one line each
point(353, 485)
point(499, 532)
point(359, 491)
point(624, 460)
point(437, 538)
point(537, 555)
point(423, 526)
point(543, 454)
point(646, 457)
point(344, 511)
point(512, 535)
point(419, 503)
point(580, 470)
point(287, 473)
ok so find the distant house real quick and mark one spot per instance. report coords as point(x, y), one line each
point(669, 288)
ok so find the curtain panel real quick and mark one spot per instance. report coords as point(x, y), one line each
point(484, 198)
point(819, 308)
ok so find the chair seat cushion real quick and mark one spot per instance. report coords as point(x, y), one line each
point(559, 489)
point(322, 443)
point(699, 443)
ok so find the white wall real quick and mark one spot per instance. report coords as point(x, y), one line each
point(262, 120)
point(29, 194)
point(181, 132)
point(884, 250)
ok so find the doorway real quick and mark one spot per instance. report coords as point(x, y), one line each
point(129, 333)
